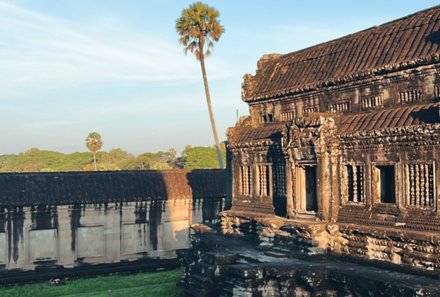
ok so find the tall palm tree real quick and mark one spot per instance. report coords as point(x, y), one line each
point(199, 27)
point(94, 144)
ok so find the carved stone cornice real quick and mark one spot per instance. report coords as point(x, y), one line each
point(424, 134)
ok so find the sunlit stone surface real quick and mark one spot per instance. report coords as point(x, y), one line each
point(338, 160)
point(102, 218)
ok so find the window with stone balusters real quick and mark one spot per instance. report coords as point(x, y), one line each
point(279, 175)
point(420, 185)
point(246, 177)
point(355, 183)
point(263, 180)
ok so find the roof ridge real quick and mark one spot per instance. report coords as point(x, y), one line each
point(404, 43)
point(357, 32)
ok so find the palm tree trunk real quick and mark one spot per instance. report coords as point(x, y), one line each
point(211, 114)
point(94, 159)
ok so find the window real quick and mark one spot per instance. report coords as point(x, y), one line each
point(339, 107)
point(370, 102)
point(311, 109)
point(263, 180)
point(245, 186)
point(267, 118)
point(287, 116)
point(355, 183)
point(386, 184)
point(279, 178)
point(410, 95)
point(420, 182)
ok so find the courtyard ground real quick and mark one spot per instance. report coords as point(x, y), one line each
point(157, 284)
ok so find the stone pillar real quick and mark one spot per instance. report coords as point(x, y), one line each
point(236, 179)
point(324, 181)
point(334, 184)
point(66, 251)
point(113, 233)
point(289, 186)
point(19, 221)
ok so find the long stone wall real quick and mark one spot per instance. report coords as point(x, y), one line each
point(68, 220)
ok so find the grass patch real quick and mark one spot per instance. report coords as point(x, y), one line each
point(157, 284)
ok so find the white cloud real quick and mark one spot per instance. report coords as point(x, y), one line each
point(40, 51)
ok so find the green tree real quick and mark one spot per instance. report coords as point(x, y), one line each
point(94, 144)
point(159, 160)
point(114, 159)
point(199, 26)
point(201, 157)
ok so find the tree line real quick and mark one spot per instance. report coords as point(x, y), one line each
point(36, 160)
point(198, 27)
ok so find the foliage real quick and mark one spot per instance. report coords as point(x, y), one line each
point(155, 284)
point(199, 26)
point(6, 159)
point(35, 160)
point(159, 160)
point(114, 160)
point(201, 157)
point(94, 142)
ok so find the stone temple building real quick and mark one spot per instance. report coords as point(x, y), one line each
point(343, 140)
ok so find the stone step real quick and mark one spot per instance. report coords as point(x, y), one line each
point(276, 254)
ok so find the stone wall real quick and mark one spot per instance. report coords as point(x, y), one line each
point(68, 220)
point(398, 248)
point(271, 264)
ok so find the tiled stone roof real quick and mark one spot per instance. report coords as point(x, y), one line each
point(257, 134)
point(26, 189)
point(396, 117)
point(400, 44)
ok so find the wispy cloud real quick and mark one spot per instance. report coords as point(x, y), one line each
point(40, 51)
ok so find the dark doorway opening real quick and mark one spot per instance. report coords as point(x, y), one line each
point(311, 198)
point(386, 187)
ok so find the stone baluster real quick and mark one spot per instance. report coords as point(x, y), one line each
point(355, 192)
point(427, 203)
point(417, 184)
point(422, 185)
point(411, 185)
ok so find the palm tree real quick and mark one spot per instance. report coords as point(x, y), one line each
point(94, 144)
point(198, 26)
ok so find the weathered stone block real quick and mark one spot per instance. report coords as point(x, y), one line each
point(3, 249)
point(42, 245)
point(91, 242)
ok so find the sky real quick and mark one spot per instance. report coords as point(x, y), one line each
point(70, 67)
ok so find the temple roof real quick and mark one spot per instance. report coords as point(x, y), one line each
point(400, 44)
point(248, 134)
point(25, 189)
point(391, 118)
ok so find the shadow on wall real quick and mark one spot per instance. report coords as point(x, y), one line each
point(49, 219)
point(207, 186)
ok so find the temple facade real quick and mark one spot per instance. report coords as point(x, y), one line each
point(346, 134)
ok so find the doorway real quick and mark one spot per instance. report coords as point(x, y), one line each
point(307, 188)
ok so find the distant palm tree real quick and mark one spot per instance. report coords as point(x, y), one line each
point(199, 26)
point(94, 144)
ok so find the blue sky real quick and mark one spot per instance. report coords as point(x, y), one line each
point(69, 67)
